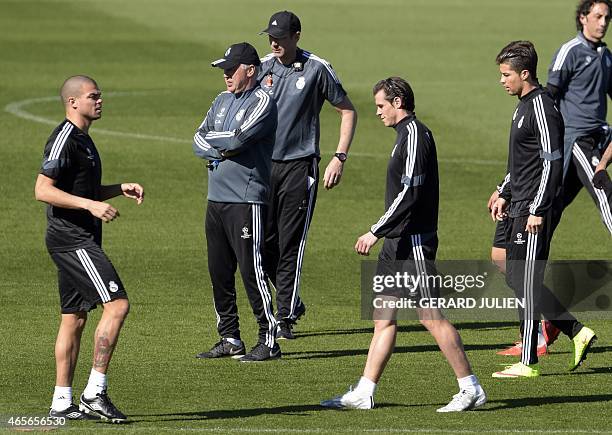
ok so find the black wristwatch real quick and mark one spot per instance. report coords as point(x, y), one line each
point(341, 156)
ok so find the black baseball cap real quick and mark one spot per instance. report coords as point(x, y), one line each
point(282, 24)
point(242, 53)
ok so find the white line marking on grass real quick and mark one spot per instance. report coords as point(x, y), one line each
point(17, 109)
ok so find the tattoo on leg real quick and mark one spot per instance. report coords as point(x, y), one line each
point(102, 352)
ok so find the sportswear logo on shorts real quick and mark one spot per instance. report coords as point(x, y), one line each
point(301, 82)
point(594, 161)
point(239, 115)
point(112, 286)
point(245, 233)
point(520, 124)
point(519, 239)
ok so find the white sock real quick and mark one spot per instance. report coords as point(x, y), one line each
point(95, 385)
point(234, 341)
point(366, 386)
point(62, 398)
point(469, 383)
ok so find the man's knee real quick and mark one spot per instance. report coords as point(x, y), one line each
point(118, 308)
point(75, 321)
point(382, 324)
point(498, 257)
point(431, 318)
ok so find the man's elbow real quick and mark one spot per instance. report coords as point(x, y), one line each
point(39, 194)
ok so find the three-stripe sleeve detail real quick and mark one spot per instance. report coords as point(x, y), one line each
point(563, 52)
point(325, 63)
point(264, 101)
point(411, 149)
point(59, 142)
point(545, 143)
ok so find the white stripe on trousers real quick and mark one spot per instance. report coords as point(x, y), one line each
point(529, 310)
point(260, 277)
point(419, 261)
point(93, 274)
point(298, 267)
point(604, 206)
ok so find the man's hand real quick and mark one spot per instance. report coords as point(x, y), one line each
point(133, 191)
point(498, 210)
point(102, 210)
point(492, 200)
point(365, 242)
point(333, 173)
point(534, 224)
point(601, 179)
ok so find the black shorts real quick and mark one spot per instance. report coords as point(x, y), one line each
point(86, 278)
point(499, 239)
point(413, 258)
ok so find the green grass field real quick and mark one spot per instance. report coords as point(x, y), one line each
point(151, 58)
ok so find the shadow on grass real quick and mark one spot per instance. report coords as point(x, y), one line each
point(398, 349)
point(494, 405)
point(407, 328)
point(583, 371)
point(220, 414)
point(600, 349)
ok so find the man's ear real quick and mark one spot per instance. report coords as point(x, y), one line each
point(397, 102)
point(524, 75)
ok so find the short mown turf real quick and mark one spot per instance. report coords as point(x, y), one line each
point(151, 59)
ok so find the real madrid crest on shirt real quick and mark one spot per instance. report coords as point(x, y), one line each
point(239, 115)
point(300, 83)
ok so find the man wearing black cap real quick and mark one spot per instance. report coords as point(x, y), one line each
point(300, 82)
point(237, 138)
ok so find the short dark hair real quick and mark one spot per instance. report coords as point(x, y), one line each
point(396, 87)
point(584, 8)
point(520, 55)
point(72, 86)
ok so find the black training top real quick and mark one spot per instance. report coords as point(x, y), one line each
point(412, 193)
point(71, 158)
point(535, 158)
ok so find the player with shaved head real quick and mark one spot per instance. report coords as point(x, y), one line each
point(70, 183)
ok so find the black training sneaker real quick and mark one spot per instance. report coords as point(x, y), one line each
point(224, 348)
point(284, 331)
point(261, 352)
point(72, 413)
point(102, 406)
